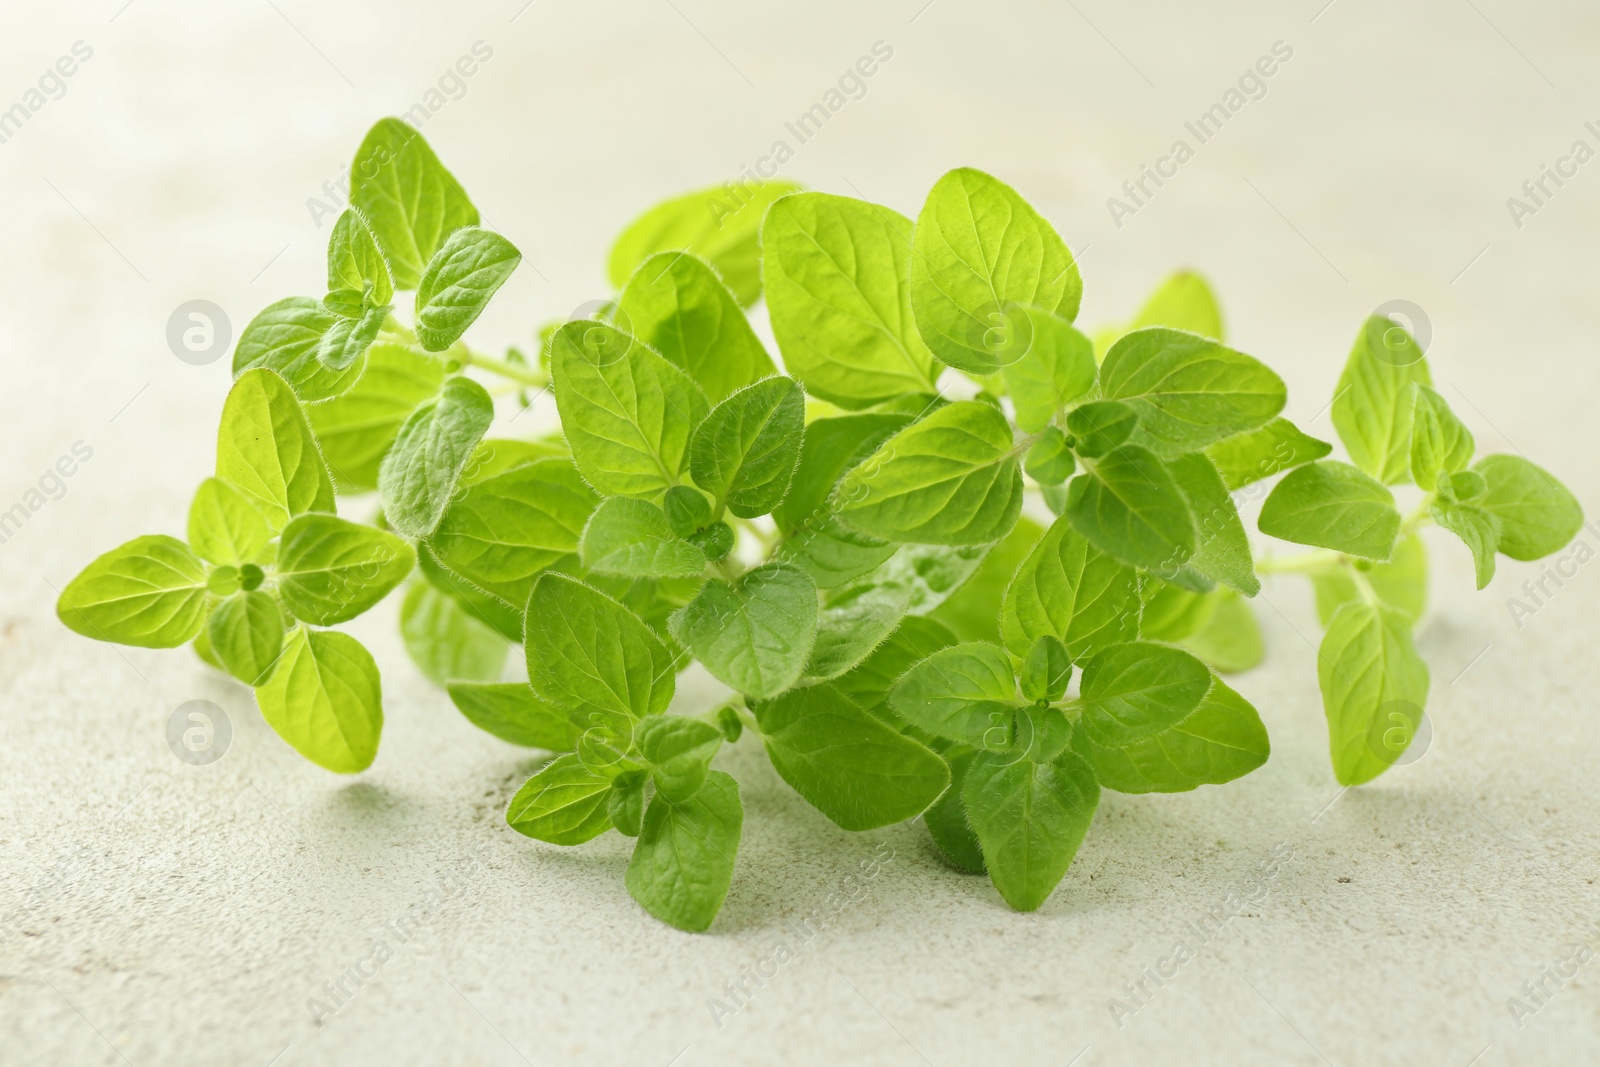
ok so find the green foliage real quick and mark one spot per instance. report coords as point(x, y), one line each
point(1055, 366)
point(719, 225)
point(512, 712)
point(899, 638)
point(1029, 819)
point(409, 200)
point(469, 267)
point(1278, 446)
point(1373, 402)
point(676, 304)
point(265, 450)
point(245, 633)
point(446, 640)
point(1068, 589)
point(1129, 506)
point(1537, 514)
point(324, 698)
point(754, 632)
point(1333, 505)
point(1374, 685)
point(286, 338)
point(1188, 391)
point(330, 570)
point(418, 474)
point(683, 864)
point(854, 769)
point(838, 285)
point(745, 451)
point(632, 538)
point(627, 411)
point(150, 592)
point(504, 528)
point(977, 247)
point(950, 478)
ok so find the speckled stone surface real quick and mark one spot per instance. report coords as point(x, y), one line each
point(160, 913)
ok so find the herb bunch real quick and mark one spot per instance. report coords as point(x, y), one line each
point(841, 543)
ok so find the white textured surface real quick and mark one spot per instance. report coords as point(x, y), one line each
point(167, 914)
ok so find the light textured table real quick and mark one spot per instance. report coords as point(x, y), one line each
point(159, 913)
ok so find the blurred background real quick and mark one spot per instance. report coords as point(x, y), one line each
point(155, 152)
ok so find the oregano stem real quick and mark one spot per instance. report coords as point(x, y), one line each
point(1422, 514)
point(524, 375)
point(1300, 563)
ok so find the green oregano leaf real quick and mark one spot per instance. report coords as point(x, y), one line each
point(325, 699)
point(224, 527)
point(1440, 443)
point(1050, 461)
point(1055, 366)
point(1374, 686)
point(978, 246)
point(330, 570)
point(632, 538)
point(245, 633)
point(676, 304)
point(1127, 504)
point(1256, 454)
point(679, 751)
point(628, 413)
point(564, 804)
point(458, 283)
point(503, 529)
point(683, 863)
point(1069, 590)
point(947, 822)
point(347, 341)
point(446, 640)
point(1537, 514)
point(408, 198)
point(354, 262)
point(1134, 691)
point(1372, 405)
point(286, 339)
point(1046, 671)
point(963, 693)
point(838, 287)
point(1478, 529)
point(754, 633)
point(1100, 425)
point(858, 772)
point(505, 618)
point(1188, 391)
point(625, 803)
point(687, 510)
point(951, 478)
point(419, 473)
point(1029, 819)
point(1184, 302)
point(512, 712)
point(1219, 741)
point(1222, 548)
point(150, 592)
point(720, 225)
point(589, 654)
point(745, 451)
point(266, 451)
point(1333, 505)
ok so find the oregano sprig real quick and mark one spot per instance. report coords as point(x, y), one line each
point(952, 557)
